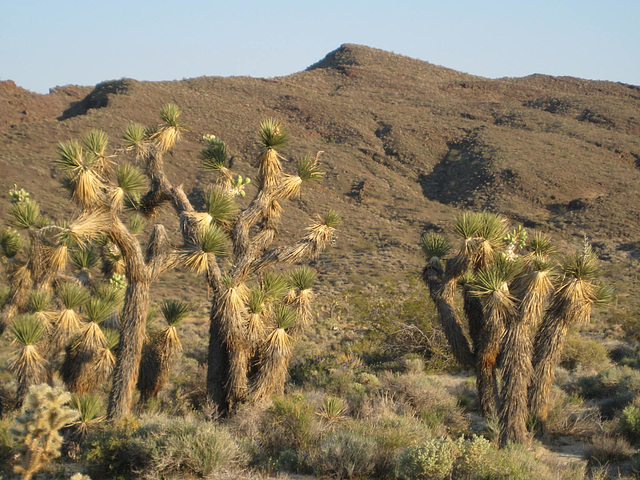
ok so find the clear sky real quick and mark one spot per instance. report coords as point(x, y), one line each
point(44, 43)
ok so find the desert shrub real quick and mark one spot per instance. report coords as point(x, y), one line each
point(187, 444)
point(290, 423)
point(569, 415)
point(120, 450)
point(426, 398)
point(614, 381)
point(515, 462)
point(6, 445)
point(345, 454)
point(161, 445)
point(630, 422)
point(430, 460)
point(604, 449)
point(474, 462)
point(585, 353)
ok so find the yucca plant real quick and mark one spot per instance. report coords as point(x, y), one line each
point(333, 411)
point(28, 363)
point(300, 297)
point(507, 281)
point(275, 356)
point(89, 408)
point(84, 259)
point(78, 368)
point(161, 353)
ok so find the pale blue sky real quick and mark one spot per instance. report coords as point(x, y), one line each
point(44, 43)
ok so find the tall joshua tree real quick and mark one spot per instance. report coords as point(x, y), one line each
point(508, 291)
point(246, 237)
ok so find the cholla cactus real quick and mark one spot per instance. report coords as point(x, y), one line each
point(36, 428)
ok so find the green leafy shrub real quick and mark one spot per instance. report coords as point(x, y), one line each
point(474, 462)
point(289, 424)
point(630, 422)
point(430, 460)
point(585, 353)
point(346, 455)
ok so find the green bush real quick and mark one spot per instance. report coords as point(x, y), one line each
point(614, 381)
point(6, 446)
point(289, 424)
point(476, 458)
point(430, 460)
point(159, 446)
point(630, 422)
point(346, 455)
point(584, 352)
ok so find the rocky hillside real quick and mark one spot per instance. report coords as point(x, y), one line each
point(406, 144)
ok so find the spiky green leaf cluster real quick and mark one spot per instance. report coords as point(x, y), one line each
point(10, 242)
point(215, 155)
point(170, 115)
point(468, 224)
point(72, 295)
point(256, 301)
point(308, 169)
point(274, 285)
point(72, 157)
point(435, 246)
point(213, 240)
point(332, 219)
point(285, 317)
point(134, 135)
point(95, 142)
point(493, 228)
point(5, 290)
point(111, 294)
point(84, 257)
point(136, 224)
point(302, 278)
point(98, 310)
point(26, 330)
point(603, 296)
point(581, 266)
point(220, 206)
point(39, 301)
point(25, 215)
point(273, 134)
point(89, 406)
point(131, 180)
point(492, 278)
point(541, 245)
point(175, 311)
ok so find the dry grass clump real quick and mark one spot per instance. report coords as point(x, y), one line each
point(569, 415)
point(605, 449)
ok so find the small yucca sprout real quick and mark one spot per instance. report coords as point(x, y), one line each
point(220, 207)
point(284, 317)
point(95, 142)
point(70, 157)
point(97, 310)
point(273, 134)
point(211, 242)
point(89, 407)
point(175, 311)
point(603, 296)
point(302, 278)
point(168, 134)
point(39, 302)
point(467, 225)
point(308, 169)
point(215, 156)
point(332, 219)
point(10, 242)
point(333, 410)
point(581, 266)
point(435, 246)
point(84, 259)
point(27, 364)
point(111, 295)
point(274, 285)
point(135, 139)
point(467, 278)
point(131, 184)
point(257, 301)
point(136, 224)
point(25, 215)
point(493, 229)
point(541, 245)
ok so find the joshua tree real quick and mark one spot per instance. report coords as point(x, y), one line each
point(508, 291)
point(252, 232)
point(160, 354)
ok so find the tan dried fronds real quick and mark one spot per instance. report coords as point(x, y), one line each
point(274, 362)
point(78, 368)
point(289, 187)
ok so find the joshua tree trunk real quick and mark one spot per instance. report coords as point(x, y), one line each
point(132, 330)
